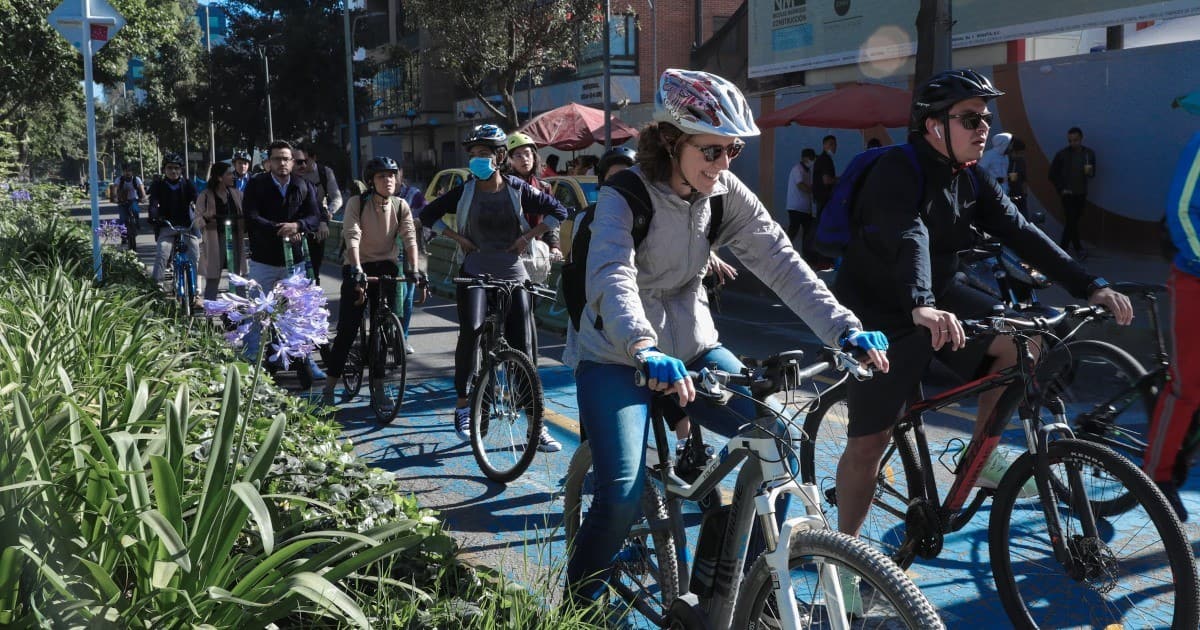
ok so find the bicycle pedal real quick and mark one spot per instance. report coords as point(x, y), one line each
point(958, 446)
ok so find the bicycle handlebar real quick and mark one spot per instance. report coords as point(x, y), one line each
point(488, 282)
point(1003, 325)
point(771, 374)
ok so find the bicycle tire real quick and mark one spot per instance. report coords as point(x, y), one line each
point(1162, 565)
point(356, 364)
point(388, 350)
point(648, 540)
point(506, 414)
point(890, 596)
point(900, 475)
point(1087, 374)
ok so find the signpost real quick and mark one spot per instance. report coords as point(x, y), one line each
point(88, 25)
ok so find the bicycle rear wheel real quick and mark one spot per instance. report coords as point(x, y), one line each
point(1087, 376)
point(389, 369)
point(352, 374)
point(1134, 570)
point(889, 599)
point(645, 572)
point(506, 415)
point(899, 479)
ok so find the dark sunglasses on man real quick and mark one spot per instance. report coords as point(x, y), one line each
point(971, 120)
point(713, 152)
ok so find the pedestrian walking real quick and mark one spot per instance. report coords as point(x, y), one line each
point(800, 203)
point(221, 201)
point(1070, 171)
point(329, 199)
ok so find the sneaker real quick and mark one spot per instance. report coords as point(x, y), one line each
point(315, 371)
point(409, 349)
point(547, 444)
point(993, 471)
point(1171, 492)
point(851, 595)
point(462, 423)
point(327, 393)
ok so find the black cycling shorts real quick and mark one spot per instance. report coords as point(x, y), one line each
point(876, 404)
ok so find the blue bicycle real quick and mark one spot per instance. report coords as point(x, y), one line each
point(183, 268)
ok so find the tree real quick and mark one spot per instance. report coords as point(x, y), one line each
point(493, 43)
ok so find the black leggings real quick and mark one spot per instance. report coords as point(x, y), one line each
point(350, 315)
point(472, 309)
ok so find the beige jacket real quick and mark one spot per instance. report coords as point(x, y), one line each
point(373, 231)
point(212, 255)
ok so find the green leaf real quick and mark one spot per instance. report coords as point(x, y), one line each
point(261, 464)
point(166, 492)
point(325, 595)
point(102, 581)
point(169, 537)
point(258, 510)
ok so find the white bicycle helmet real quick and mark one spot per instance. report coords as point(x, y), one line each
point(700, 103)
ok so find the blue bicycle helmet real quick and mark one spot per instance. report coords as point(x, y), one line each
point(487, 135)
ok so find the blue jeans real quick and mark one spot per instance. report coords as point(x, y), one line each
point(615, 413)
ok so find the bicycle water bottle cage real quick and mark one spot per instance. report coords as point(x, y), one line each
point(954, 449)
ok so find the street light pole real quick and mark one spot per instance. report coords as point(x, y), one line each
point(267, 86)
point(212, 131)
point(351, 119)
point(187, 174)
point(607, 82)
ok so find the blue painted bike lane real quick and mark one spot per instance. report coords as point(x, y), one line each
point(518, 528)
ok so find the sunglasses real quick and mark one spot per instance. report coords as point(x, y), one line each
point(713, 152)
point(301, 162)
point(971, 120)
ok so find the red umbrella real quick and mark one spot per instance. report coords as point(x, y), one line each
point(854, 106)
point(573, 127)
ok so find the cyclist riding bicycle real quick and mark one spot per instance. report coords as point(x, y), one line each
point(646, 307)
point(171, 199)
point(898, 272)
point(374, 222)
point(491, 229)
point(130, 194)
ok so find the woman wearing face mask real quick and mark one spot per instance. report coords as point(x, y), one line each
point(646, 308)
point(491, 230)
point(524, 162)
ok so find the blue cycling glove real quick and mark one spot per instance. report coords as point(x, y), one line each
point(661, 367)
point(864, 340)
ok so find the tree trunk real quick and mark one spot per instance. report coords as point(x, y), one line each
point(934, 30)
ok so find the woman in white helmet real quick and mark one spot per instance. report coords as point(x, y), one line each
point(646, 308)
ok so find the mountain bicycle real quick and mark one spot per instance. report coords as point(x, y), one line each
point(183, 269)
point(1110, 396)
point(506, 399)
point(129, 218)
point(379, 351)
point(1048, 545)
point(800, 581)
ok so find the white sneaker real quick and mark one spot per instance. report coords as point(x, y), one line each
point(462, 423)
point(851, 595)
point(547, 444)
point(993, 471)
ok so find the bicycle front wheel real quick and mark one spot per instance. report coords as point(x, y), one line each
point(645, 572)
point(506, 415)
point(898, 480)
point(1133, 570)
point(1097, 383)
point(874, 590)
point(389, 372)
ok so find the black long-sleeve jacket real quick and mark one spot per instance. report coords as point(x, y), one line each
point(265, 209)
point(904, 253)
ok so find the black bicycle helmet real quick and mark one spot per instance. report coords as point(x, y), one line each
point(379, 164)
point(624, 155)
point(240, 155)
point(938, 94)
point(172, 158)
point(487, 135)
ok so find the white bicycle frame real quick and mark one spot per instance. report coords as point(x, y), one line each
point(765, 461)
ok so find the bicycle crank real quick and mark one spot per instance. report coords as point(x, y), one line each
point(922, 528)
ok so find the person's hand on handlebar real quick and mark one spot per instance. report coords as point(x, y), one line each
point(1117, 303)
point(943, 326)
point(666, 374)
point(873, 342)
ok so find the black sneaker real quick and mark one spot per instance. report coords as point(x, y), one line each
point(1171, 491)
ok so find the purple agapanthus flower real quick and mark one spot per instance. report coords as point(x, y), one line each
point(112, 232)
point(21, 195)
point(292, 314)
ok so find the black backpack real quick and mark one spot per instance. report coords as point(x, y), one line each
point(574, 272)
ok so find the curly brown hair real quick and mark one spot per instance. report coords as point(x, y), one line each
point(657, 142)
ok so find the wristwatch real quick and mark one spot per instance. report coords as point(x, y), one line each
point(1096, 284)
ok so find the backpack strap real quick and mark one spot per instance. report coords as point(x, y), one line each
point(323, 177)
point(716, 208)
point(637, 197)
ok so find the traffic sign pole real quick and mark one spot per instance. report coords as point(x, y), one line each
point(93, 22)
point(89, 90)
